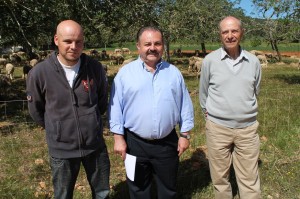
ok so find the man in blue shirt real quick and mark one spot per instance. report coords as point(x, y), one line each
point(148, 99)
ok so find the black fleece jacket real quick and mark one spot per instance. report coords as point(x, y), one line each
point(70, 116)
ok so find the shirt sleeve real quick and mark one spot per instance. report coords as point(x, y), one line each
point(258, 78)
point(115, 109)
point(203, 88)
point(187, 111)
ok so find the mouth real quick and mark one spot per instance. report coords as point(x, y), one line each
point(232, 41)
point(152, 53)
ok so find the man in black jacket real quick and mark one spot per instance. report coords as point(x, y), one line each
point(67, 93)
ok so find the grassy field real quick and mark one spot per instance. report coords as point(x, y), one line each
point(246, 44)
point(24, 165)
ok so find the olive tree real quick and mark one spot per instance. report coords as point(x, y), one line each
point(198, 20)
point(281, 21)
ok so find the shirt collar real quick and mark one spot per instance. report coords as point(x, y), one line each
point(158, 65)
point(242, 55)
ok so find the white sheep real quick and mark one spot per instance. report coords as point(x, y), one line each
point(118, 50)
point(263, 60)
point(10, 68)
point(33, 62)
point(192, 61)
point(126, 51)
point(257, 52)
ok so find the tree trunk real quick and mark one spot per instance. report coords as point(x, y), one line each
point(277, 50)
point(167, 51)
point(203, 48)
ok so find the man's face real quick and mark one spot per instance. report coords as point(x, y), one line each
point(69, 41)
point(231, 34)
point(150, 46)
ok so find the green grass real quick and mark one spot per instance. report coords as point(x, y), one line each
point(22, 145)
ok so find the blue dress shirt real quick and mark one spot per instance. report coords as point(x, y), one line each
point(150, 104)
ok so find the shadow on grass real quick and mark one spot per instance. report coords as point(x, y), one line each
point(290, 79)
point(193, 177)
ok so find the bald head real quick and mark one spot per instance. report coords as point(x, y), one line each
point(69, 40)
point(67, 26)
point(230, 19)
point(231, 33)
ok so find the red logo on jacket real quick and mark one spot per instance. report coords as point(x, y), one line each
point(86, 84)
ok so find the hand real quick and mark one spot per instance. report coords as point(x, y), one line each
point(120, 146)
point(183, 144)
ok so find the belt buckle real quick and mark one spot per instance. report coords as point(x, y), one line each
point(151, 139)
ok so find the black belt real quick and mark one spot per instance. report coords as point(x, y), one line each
point(127, 131)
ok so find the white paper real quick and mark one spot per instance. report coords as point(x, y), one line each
point(130, 162)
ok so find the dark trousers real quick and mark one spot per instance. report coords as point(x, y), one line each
point(65, 172)
point(156, 159)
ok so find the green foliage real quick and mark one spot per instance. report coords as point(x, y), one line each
point(255, 42)
point(32, 23)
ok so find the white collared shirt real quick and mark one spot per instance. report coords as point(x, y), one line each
point(233, 64)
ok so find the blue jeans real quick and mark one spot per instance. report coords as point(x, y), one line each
point(65, 172)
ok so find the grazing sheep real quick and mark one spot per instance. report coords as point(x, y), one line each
point(192, 61)
point(198, 65)
point(118, 51)
point(118, 58)
point(104, 55)
point(10, 68)
point(126, 51)
point(257, 52)
point(263, 60)
point(93, 53)
point(42, 54)
point(26, 69)
point(33, 62)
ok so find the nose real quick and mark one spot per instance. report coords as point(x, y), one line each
point(230, 35)
point(73, 45)
point(152, 47)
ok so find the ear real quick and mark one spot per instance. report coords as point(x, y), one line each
point(56, 40)
point(137, 45)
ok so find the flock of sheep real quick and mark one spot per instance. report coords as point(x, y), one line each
point(195, 62)
point(9, 62)
point(117, 57)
